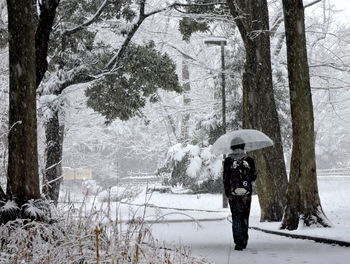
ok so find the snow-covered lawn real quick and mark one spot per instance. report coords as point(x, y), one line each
point(335, 197)
point(334, 193)
point(213, 239)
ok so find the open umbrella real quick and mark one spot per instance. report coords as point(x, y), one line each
point(253, 140)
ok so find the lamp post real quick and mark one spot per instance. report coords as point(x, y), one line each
point(222, 43)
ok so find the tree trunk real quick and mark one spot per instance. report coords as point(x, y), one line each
point(2, 195)
point(23, 177)
point(303, 202)
point(53, 169)
point(186, 100)
point(42, 36)
point(259, 107)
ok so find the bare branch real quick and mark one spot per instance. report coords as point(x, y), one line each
point(279, 44)
point(42, 35)
point(278, 21)
point(77, 79)
point(142, 8)
point(112, 64)
point(312, 3)
point(199, 5)
point(89, 22)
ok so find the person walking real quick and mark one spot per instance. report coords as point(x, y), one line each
point(239, 173)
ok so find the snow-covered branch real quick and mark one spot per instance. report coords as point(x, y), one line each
point(312, 3)
point(89, 22)
point(47, 15)
point(277, 22)
point(199, 4)
point(113, 63)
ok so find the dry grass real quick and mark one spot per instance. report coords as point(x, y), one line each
point(85, 236)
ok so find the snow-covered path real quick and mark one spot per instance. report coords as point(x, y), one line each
point(213, 241)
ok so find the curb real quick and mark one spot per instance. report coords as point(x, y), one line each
point(185, 220)
point(174, 221)
point(295, 236)
point(174, 208)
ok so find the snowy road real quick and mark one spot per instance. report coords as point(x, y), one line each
point(213, 241)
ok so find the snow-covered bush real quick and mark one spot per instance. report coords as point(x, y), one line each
point(77, 237)
point(90, 187)
point(38, 210)
point(192, 166)
point(118, 193)
point(158, 187)
point(8, 211)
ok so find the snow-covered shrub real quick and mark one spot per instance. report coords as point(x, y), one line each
point(190, 166)
point(158, 188)
point(118, 193)
point(90, 187)
point(9, 210)
point(38, 210)
point(76, 237)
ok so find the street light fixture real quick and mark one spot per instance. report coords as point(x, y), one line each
point(222, 43)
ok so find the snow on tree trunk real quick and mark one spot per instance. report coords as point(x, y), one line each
point(23, 177)
point(53, 169)
point(259, 107)
point(186, 99)
point(303, 202)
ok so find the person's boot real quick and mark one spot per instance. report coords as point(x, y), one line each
point(245, 242)
point(239, 247)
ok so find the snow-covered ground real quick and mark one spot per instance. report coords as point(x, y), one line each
point(214, 240)
point(334, 194)
point(335, 197)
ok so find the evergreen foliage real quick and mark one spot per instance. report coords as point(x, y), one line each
point(204, 12)
point(77, 52)
point(143, 71)
point(189, 25)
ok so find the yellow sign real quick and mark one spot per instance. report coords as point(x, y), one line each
point(77, 174)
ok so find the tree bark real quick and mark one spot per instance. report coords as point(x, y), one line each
point(259, 107)
point(23, 177)
point(185, 117)
point(303, 202)
point(42, 36)
point(53, 169)
point(2, 195)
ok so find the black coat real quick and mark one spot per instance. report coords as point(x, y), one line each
point(228, 172)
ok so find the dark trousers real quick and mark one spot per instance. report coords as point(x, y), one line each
point(240, 210)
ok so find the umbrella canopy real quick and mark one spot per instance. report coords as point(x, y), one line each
point(253, 140)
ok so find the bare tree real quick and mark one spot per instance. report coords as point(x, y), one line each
point(303, 202)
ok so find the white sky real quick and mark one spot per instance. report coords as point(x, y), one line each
point(344, 8)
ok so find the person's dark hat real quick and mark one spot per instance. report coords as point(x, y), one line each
point(237, 143)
